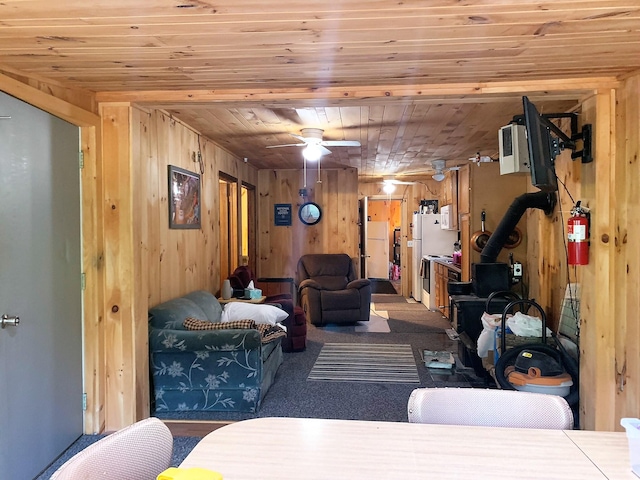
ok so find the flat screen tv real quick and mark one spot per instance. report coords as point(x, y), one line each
point(543, 148)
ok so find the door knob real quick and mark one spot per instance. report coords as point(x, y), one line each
point(9, 320)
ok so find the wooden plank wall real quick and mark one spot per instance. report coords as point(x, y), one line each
point(179, 260)
point(627, 270)
point(280, 247)
point(149, 263)
point(609, 322)
point(494, 193)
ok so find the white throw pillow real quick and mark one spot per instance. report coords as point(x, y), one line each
point(256, 312)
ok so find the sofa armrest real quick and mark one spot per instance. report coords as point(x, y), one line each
point(167, 340)
point(359, 283)
point(309, 283)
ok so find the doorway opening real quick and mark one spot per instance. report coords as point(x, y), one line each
point(229, 245)
point(383, 242)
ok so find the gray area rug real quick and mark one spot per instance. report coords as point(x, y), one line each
point(365, 362)
point(382, 286)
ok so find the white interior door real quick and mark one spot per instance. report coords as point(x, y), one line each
point(378, 249)
point(40, 282)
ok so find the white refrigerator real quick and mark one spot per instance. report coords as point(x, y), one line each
point(436, 242)
point(428, 239)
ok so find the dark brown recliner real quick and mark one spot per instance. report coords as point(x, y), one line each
point(296, 323)
point(329, 291)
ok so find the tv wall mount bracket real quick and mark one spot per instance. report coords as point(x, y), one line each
point(564, 141)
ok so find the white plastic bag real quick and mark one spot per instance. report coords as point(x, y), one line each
point(525, 325)
point(485, 341)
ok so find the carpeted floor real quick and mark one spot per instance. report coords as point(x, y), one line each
point(181, 448)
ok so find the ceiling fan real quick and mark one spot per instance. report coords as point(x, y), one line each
point(439, 167)
point(315, 146)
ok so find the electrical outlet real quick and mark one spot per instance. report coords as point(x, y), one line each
point(517, 269)
point(409, 243)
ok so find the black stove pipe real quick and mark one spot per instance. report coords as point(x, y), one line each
point(543, 200)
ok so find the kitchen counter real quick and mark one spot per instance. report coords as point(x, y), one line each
point(447, 263)
point(444, 271)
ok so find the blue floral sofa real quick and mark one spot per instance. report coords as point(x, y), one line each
point(227, 370)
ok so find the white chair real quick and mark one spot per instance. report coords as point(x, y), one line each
point(491, 408)
point(140, 451)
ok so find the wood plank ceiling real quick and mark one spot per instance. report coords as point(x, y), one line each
point(401, 77)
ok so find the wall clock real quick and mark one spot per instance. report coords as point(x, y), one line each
point(310, 213)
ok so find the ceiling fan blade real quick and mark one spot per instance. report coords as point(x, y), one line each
point(325, 151)
point(299, 137)
point(340, 143)
point(287, 145)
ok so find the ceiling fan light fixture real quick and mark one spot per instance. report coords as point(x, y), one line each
point(312, 152)
point(438, 176)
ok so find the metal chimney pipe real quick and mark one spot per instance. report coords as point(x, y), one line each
point(543, 200)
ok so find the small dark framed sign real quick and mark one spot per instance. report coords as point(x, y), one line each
point(282, 214)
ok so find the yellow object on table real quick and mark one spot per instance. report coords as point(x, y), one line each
point(194, 473)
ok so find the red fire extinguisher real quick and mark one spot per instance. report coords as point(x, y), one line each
point(578, 236)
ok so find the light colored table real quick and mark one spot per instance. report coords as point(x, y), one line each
point(294, 448)
point(223, 301)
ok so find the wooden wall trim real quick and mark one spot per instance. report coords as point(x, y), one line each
point(93, 266)
point(121, 315)
point(48, 103)
point(566, 88)
point(627, 350)
point(600, 331)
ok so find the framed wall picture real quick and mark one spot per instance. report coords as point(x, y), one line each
point(429, 206)
point(184, 198)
